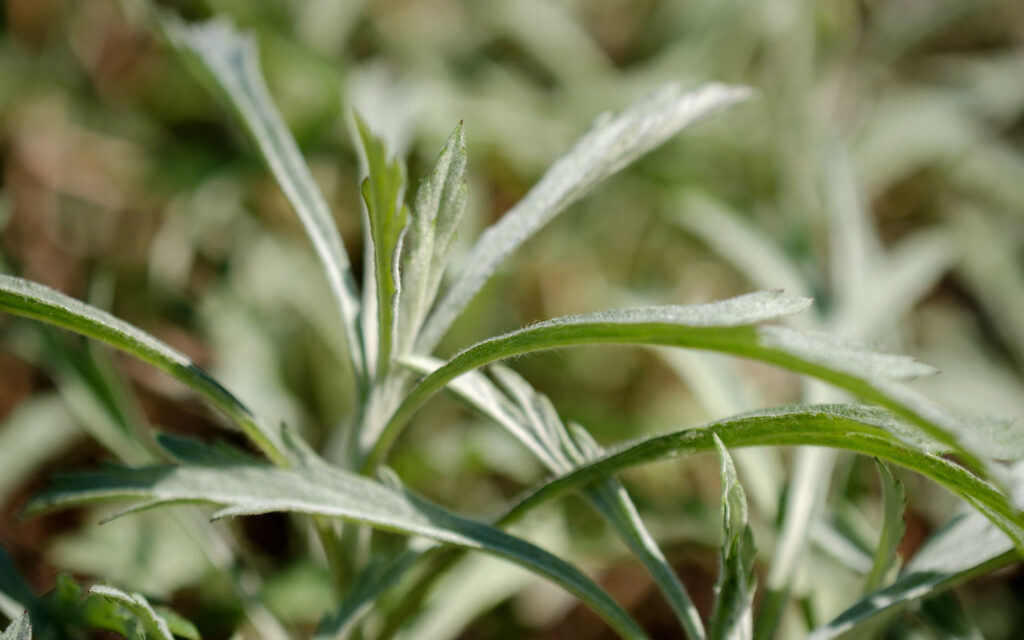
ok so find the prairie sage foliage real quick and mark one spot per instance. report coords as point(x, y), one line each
point(392, 322)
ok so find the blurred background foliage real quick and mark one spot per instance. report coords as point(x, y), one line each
point(880, 170)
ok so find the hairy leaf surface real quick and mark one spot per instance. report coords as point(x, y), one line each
point(229, 61)
point(243, 486)
point(732, 617)
point(440, 204)
point(857, 428)
point(384, 194)
point(31, 300)
point(894, 525)
point(612, 144)
point(967, 547)
point(19, 629)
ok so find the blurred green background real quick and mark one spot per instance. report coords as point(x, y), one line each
point(880, 170)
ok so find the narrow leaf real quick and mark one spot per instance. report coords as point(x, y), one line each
point(967, 547)
point(24, 298)
point(228, 60)
point(384, 192)
point(732, 616)
point(243, 488)
point(723, 326)
point(440, 204)
point(894, 525)
point(608, 497)
point(153, 625)
point(612, 144)
point(19, 629)
point(856, 428)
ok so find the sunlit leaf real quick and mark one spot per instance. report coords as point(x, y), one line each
point(243, 486)
point(31, 300)
point(228, 60)
point(724, 326)
point(440, 204)
point(19, 629)
point(612, 144)
point(967, 547)
point(732, 616)
point(857, 428)
point(384, 194)
point(894, 525)
point(150, 624)
point(537, 426)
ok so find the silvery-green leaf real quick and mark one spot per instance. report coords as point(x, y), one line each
point(967, 547)
point(609, 146)
point(724, 326)
point(31, 300)
point(545, 435)
point(153, 626)
point(476, 390)
point(19, 629)
point(245, 487)
point(857, 428)
point(383, 192)
point(440, 204)
point(732, 616)
point(228, 60)
point(894, 525)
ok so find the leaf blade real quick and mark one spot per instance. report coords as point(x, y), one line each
point(229, 60)
point(383, 193)
point(606, 148)
point(440, 205)
point(19, 629)
point(32, 300)
point(153, 623)
point(724, 326)
point(857, 428)
point(894, 525)
point(245, 488)
point(732, 616)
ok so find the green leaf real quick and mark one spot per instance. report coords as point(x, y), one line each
point(534, 422)
point(732, 616)
point(228, 61)
point(894, 525)
point(861, 429)
point(724, 326)
point(612, 144)
point(24, 298)
point(967, 547)
point(146, 622)
point(244, 487)
point(19, 629)
point(384, 192)
point(440, 204)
